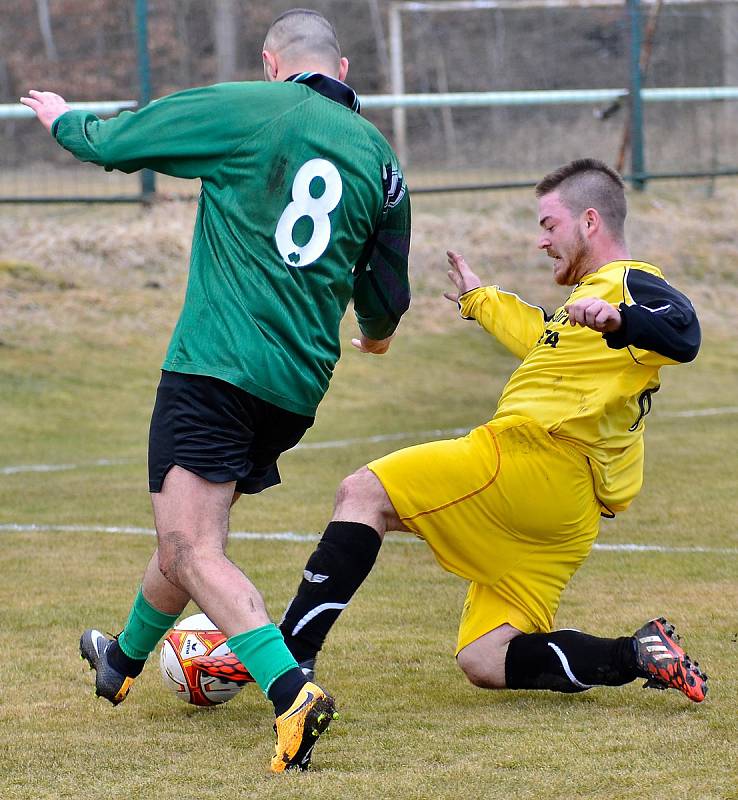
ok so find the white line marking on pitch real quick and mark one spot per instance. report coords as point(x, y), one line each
point(337, 443)
point(700, 412)
point(101, 462)
point(292, 536)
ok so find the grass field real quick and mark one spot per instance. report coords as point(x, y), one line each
point(87, 299)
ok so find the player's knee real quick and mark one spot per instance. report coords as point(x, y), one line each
point(176, 555)
point(480, 673)
point(350, 488)
point(362, 498)
point(361, 486)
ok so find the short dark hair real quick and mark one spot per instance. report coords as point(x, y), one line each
point(589, 183)
point(300, 31)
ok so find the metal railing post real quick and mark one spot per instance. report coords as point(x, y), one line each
point(148, 181)
point(397, 82)
point(637, 158)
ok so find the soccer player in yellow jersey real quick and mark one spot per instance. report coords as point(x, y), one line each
point(514, 506)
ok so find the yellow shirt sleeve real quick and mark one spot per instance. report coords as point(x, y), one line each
point(516, 324)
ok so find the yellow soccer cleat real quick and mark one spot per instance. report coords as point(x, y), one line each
point(300, 726)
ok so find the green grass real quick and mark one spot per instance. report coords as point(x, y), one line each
point(78, 372)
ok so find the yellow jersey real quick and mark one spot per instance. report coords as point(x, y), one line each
point(589, 389)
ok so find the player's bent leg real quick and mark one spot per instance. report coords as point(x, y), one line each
point(561, 661)
point(191, 516)
point(483, 660)
point(572, 661)
point(341, 562)
point(569, 661)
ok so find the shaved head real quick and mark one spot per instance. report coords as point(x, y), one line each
point(302, 36)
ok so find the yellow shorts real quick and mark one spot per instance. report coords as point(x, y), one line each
point(508, 507)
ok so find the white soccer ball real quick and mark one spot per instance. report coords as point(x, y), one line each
point(195, 636)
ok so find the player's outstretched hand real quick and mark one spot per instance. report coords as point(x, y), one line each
point(377, 347)
point(595, 313)
point(461, 276)
point(47, 105)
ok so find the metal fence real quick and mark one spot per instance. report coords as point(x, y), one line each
point(501, 49)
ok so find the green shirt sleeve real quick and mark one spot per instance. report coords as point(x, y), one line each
point(381, 286)
point(186, 134)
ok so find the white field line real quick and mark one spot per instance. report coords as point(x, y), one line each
point(101, 462)
point(335, 443)
point(701, 412)
point(339, 443)
point(292, 536)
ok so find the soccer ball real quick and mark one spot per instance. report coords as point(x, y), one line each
point(195, 636)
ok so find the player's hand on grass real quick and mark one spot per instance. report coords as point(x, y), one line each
point(47, 105)
point(461, 276)
point(595, 313)
point(377, 347)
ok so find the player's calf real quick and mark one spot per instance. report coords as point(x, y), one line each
point(569, 661)
point(572, 661)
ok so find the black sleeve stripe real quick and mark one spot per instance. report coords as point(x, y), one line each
point(660, 319)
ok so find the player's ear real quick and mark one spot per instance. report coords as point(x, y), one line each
point(591, 220)
point(271, 67)
point(343, 66)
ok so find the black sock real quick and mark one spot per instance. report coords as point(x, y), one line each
point(338, 566)
point(569, 661)
point(119, 661)
point(284, 689)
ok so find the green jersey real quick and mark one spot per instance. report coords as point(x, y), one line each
point(302, 207)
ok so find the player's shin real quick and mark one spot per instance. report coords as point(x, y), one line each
point(338, 566)
point(145, 627)
point(569, 661)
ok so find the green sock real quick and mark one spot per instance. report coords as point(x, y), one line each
point(145, 627)
point(264, 654)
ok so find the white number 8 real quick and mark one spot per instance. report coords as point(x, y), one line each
point(305, 205)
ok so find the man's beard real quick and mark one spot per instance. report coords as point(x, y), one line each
point(575, 263)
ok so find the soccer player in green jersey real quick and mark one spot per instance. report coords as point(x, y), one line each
point(514, 507)
point(303, 208)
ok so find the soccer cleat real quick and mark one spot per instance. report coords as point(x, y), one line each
point(229, 668)
point(300, 726)
point(109, 683)
point(665, 664)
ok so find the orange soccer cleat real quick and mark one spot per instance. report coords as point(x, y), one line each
point(229, 668)
point(665, 664)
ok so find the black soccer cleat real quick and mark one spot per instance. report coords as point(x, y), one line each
point(663, 662)
point(109, 683)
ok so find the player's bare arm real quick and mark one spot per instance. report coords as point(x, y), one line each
point(48, 106)
point(376, 347)
point(595, 313)
point(461, 275)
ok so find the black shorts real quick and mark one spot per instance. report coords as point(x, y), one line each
point(219, 432)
